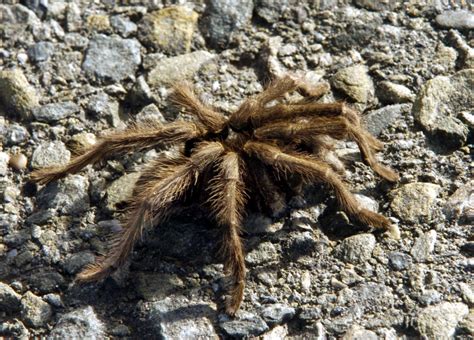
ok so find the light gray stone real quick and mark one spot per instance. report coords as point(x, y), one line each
point(35, 312)
point(222, 19)
point(391, 93)
point(101, 105)
point(277, 313)
point(121, 190)
point(377, 121)
point(440, 321)
point(355, 82)
point(124, 26)
point(461, 19)
point(56, 111)
point(4, 160)
point(356, 249)
point(271, 11)
point(16, 134)
point(460, 205)
point(50, 154)
point(79, 324)
point(266, 252)
point(438, 104)
point(171, 70)
point(245, 325)
point(68, 197)
point(414, 202)
point(112, 59)
point(40, 51)
point(424, 246)
point(356, 332)
point(177, 317)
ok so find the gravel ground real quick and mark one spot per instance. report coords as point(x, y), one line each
point(72, 70)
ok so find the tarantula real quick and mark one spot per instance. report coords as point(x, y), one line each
point(244, 155)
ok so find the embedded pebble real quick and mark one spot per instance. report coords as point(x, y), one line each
point(244, 325)
point(69, 196)
point(111, 59)
point(171, 70)
point(40, 51)
point(358, 333)
point(462, 19)
point(121, 190)
point(169, 29)
point(102, 106)
point(377, 121)
point(391, 93)
point(9, 299)
point(277, 313)
point(266, 252)
point(270, 10)
point(35, 312)
point(356, 249)
point(439, 102)
point(177, 317)
point(50, 154)
point(355, 82)
point(157, 286)
point(16, 134)
point(81, 323)
point(414, 202)
point(440, 321)
point(56, 111)
point(399, 261)
point(424, 246)
point(16, 94)
point(124, 26)
point(460, 205)
point(75, 262)
point(222, 19)
point(4, 161)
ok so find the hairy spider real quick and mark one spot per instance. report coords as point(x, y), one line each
point(235, 158)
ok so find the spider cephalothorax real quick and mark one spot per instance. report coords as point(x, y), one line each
point(234, 158)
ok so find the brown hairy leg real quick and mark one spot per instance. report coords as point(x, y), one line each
point(271, 195)
point(314, 170)
point(184, 95)
point(135, 138)
point(227, 199)
point(154, 200)
point(276, 90)
point(335, 127)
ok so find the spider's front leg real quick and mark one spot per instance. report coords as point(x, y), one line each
point(183, 95)
point(155, 196)
point(227, 199)
point(314, 170)
point(135, 138)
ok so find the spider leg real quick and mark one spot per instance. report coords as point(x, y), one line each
point(269, 193)
point(336, 127)
point(315, 170)
point(246, 112)
point(155, 196)
point(227, 199)
point(184, 95)
point(134, 138)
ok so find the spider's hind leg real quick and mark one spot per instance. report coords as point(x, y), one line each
point(227, 199)
point(155, 195)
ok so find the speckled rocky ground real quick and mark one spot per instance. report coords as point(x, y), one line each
point(71, 70)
